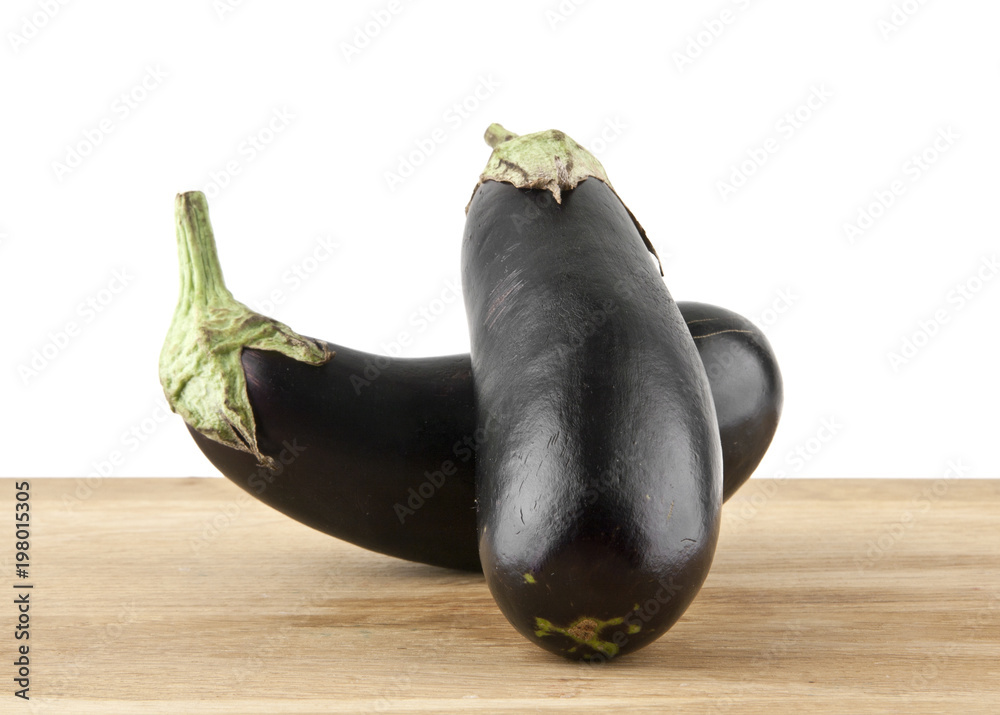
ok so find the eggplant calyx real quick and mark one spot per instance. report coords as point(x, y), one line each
point(200, 368)
point(548, 160)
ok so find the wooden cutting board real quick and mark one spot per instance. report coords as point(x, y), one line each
point(185, 596)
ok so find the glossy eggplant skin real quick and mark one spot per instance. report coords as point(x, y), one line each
point(599, 483)
point(366, 463)
point(747, 388)
point(372, 450)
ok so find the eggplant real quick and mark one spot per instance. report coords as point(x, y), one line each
point(747, 388)
point(374, 450)
point(599, 483)
point(364, 448)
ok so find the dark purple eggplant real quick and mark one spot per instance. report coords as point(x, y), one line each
point(389, 469)
point(374, 450)
point(746, 386)
point(599, 483)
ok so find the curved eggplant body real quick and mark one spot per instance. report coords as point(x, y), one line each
point(359, 453)
point(746, 387)
point(375, 451)
point(599, 483)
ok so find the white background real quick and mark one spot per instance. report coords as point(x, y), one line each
point(673, 98)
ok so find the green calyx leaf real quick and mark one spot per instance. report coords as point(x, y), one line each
point(548, 160)
point(200, 368)
point(544, 160)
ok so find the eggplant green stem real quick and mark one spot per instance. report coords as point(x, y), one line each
point(200, 368)
point(548, 160)
point(495, 134)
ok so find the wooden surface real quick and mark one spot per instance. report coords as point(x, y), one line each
point(183, 596)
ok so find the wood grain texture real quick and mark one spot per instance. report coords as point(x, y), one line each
point(170, 596)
